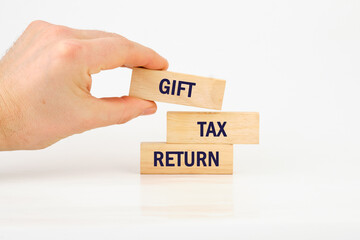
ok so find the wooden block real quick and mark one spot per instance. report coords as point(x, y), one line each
point(164, 158)
point(213, 127)
point(178, 88)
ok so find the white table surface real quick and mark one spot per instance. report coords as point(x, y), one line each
point(92, 198)
point(294, 62)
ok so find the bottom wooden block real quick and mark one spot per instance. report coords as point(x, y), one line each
point(170, 158)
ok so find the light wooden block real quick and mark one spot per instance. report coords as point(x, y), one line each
point(164, 158)
point(204, 127)
point(178, 88)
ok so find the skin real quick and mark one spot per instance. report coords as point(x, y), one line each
point(45, 82)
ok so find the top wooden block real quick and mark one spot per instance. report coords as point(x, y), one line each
point(178, 88)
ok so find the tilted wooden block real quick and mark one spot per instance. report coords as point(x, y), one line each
point(164, 158)
point(178, 88)
point(213, 127)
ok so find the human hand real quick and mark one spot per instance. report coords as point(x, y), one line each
point(45, 82)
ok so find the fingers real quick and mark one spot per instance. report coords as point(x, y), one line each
point(112, 52)
point(109, 111)
point(104, 50)
point(91, 34)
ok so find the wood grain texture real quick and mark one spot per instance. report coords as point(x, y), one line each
point(174, 160)
point(206, 93)
point(240, 127)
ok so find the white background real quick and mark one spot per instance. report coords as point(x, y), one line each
point(295, 62)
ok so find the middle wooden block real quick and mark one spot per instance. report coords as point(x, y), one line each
point(213, 127)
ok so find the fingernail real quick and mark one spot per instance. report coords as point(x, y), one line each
point(149, 111)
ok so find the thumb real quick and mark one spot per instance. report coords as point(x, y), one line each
point(118, 110)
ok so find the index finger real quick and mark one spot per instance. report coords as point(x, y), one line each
point(112, 52)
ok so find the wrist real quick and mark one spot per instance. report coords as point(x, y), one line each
point(4, 143)
point(3, 140)
point(8, 118)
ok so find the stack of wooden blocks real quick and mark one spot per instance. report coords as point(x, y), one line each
point(197, 142)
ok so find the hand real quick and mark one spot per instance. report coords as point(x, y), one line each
point(45, 82)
